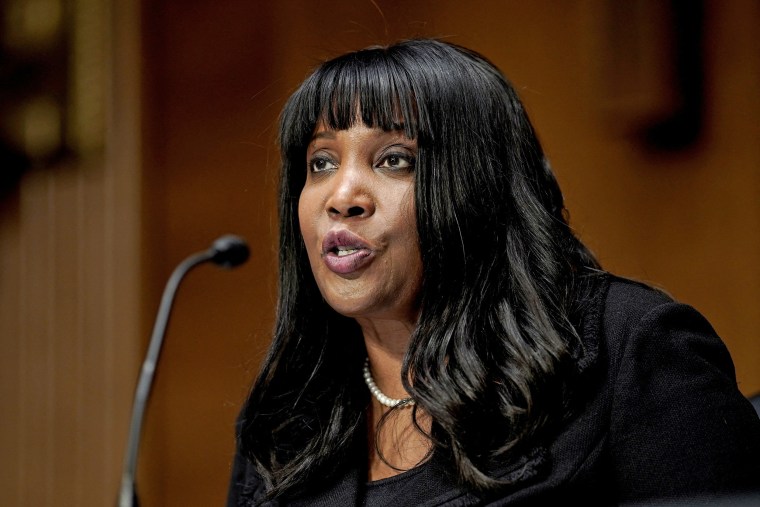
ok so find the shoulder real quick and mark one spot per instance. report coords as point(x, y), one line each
point(655, 344)
point(677, 421)
point(614, 309)
point(628, 301)
point(642, 323)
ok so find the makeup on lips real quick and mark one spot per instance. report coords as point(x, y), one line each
point(344, 252)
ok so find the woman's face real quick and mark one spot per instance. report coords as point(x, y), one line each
point(357, 219)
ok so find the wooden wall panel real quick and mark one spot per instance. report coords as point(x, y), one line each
point(11, 389)
point(69, 289)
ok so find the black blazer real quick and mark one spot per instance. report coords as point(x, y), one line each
point(661, 418)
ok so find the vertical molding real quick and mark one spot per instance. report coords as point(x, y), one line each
point(79, 344)
point(35, 438)
point(12, 381)
point(123, 187)
point(111, 332)
point(48, 308)
point(95, 332)
point(97, 60)
point(23, 341)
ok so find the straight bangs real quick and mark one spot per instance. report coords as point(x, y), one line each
point(367, 87)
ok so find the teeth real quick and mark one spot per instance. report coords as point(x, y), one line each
point(349, 251)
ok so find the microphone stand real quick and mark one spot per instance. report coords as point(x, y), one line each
point(228, 251)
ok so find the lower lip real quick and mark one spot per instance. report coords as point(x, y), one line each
point(348, 263)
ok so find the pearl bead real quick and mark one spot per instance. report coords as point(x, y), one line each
point(378, 394)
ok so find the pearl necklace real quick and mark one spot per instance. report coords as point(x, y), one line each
point(378, 394)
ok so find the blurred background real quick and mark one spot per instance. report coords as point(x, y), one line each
point(133, 133)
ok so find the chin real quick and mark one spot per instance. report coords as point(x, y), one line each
point(368, 298)
point(350, 308)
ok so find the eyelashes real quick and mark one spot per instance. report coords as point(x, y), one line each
point(320, 164)
point(396, 161)
point(393, 161)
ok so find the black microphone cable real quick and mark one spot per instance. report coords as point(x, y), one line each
point(228, 251)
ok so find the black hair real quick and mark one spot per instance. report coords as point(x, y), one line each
point(489, 360)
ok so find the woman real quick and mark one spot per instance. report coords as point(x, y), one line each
point(424, 248)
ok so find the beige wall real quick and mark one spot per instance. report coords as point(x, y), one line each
point(215, 75)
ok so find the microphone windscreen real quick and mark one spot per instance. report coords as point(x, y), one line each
point(230, 251)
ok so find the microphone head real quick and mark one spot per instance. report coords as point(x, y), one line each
point(229, 251)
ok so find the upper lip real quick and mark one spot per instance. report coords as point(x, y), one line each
point(344, 238)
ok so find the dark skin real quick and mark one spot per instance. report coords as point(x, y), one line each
point(360, 184)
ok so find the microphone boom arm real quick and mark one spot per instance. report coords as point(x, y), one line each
point(228, 251)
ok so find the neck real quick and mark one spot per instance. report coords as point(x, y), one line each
point(400, 444)
point(386, 342)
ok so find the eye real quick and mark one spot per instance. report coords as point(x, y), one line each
point(396, 161)
point(321, 164)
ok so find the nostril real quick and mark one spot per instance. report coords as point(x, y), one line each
point(352, 211)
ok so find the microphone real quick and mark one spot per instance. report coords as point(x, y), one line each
point(227, 251)
point(230, 251)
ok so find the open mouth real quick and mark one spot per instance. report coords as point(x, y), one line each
point(342, 243)
point(345, 252)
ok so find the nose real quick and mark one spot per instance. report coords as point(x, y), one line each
point(351, 194)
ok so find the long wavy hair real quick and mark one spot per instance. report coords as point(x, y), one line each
point(491, 357)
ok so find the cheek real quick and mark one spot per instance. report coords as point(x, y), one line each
point(301, 213)
point(407, 217)
point(306, 204)
point(306, 222)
